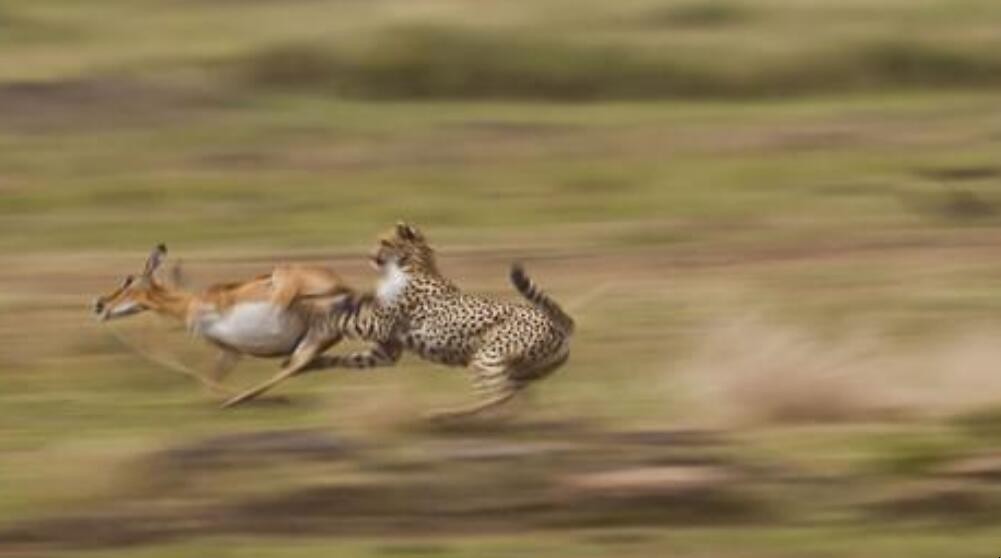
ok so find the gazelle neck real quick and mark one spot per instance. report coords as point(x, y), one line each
point(174, 303)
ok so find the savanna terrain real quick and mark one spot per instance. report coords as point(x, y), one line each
point(777, 224)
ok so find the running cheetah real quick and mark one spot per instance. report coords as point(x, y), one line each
point(506, 345)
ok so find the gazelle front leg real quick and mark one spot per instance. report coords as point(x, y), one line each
point(224, 363)
point(210, 384)
point(308, 349)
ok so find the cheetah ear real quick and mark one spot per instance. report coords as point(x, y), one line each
point(408, 232)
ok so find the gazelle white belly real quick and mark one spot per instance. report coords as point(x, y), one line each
point(258, 328)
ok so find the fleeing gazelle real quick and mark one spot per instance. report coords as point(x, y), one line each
point(281, 314)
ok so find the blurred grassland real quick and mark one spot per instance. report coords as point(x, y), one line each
point(792, 206)
point(558, 49)
point(191, 117)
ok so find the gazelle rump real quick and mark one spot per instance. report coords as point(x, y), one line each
point(281, 314)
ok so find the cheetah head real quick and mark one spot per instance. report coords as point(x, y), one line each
point(405, 247)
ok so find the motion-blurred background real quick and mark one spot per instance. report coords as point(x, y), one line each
point(776, 222)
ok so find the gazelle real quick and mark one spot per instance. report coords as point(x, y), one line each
point(281, 314)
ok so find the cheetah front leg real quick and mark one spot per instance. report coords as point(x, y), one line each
point(382, 354)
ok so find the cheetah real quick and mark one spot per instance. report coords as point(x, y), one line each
point(414, 307)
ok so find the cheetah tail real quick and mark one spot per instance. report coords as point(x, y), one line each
point(536, 296)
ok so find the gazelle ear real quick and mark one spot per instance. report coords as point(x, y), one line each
point(154, 260)
point(408, 232)
point(178, 279)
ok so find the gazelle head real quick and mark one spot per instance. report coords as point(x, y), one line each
point(136, 293)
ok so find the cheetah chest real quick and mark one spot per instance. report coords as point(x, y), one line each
point(392, 284)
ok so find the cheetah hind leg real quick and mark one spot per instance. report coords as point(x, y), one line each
point(494, 387)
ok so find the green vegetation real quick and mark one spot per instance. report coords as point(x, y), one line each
point(444, 63)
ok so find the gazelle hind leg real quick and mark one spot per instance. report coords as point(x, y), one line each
point(307, 350)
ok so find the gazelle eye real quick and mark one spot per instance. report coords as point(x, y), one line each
point(128, 280)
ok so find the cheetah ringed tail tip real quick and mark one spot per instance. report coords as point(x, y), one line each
point(536, 296)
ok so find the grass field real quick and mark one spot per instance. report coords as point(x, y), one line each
point(775, 222)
